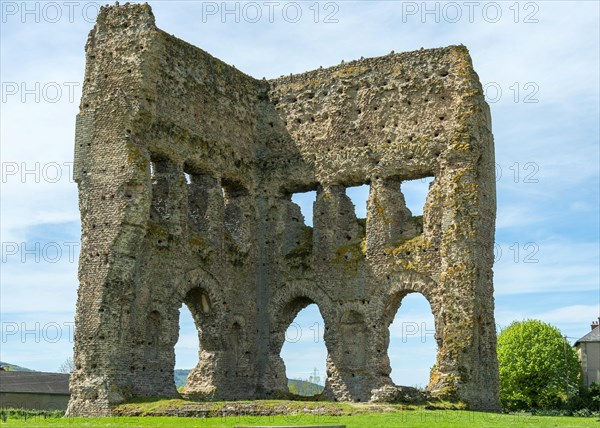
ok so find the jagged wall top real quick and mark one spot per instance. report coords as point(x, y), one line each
point(229, 242)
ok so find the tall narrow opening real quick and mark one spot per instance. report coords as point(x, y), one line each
point(306, 201)
point(187, 348)
point(304, 353)
point(413, 347)
point(415, 194)
point(193, 313)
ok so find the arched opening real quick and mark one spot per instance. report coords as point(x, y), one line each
point(304, 352)
point(195, 307)
point(187, 348)
point(413, 348)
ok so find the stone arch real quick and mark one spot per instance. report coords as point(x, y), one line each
point(415, 337)
point(287, 303)
point(291, 299)
point(206, 281)
point(401, 285)
point(302, 339)
point(200, 292)
point(200, 306)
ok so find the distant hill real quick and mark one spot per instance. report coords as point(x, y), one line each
point(14, 368)
point(300, 387)
point(181, 377)
point(304, 387)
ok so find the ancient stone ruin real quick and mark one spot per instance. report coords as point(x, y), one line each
point(186, 167)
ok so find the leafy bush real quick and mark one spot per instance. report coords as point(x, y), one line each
point(538, 369)
point(25, 414)
point(586, 399)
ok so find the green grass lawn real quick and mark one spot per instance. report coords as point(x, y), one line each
point(408, 418)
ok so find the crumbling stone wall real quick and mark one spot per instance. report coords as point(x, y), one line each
point(233, 247)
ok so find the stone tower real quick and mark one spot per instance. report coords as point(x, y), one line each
point(185, 168)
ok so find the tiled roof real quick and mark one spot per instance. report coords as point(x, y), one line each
point(592, 336)
point(34, 382)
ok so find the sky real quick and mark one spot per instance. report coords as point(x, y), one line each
point(538, 62)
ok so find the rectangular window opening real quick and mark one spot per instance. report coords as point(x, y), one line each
point(306, 201)
point(415, 194)
point(359, 195)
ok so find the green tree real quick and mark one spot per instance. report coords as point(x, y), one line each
point(293, 386)
point(538, 368)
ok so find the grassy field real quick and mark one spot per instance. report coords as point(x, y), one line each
point(408, 418)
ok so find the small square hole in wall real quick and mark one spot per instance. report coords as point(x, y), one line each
point(306, 202)
point(359, 195)
point(188, 178)
point(415, 194)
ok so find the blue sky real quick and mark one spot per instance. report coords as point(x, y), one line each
point(540, 68)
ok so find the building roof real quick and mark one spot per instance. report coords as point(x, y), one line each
point(592, 336)
point(34, 382)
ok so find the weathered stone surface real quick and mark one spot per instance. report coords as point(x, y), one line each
point(398, 394)
point(233, 246)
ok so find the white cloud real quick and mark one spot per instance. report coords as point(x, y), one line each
point(572, 316)
point(566, 266)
